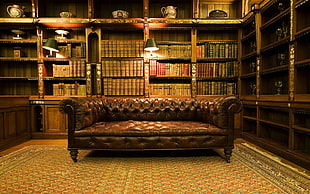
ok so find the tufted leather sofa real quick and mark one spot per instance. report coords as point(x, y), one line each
point(150, 123)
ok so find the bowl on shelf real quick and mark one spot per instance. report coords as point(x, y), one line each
point(120, 14)
point(65, 14)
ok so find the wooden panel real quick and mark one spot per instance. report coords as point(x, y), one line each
point(54, 121)
point(11, 125)
point(1, 126)
point(22, 124)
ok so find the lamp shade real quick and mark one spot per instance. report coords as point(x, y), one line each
point(51, 44)
point(151, 45)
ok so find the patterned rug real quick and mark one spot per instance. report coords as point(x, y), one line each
point(49, 169)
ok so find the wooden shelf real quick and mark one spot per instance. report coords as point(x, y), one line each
point(249, 118)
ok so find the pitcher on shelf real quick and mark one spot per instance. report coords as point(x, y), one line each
point(169, 11)
point(16, 11)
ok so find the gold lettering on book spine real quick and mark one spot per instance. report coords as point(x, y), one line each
point(98, 79)
point(194, 82)
point(291, 72)
point(88, 79)
point(40, 80)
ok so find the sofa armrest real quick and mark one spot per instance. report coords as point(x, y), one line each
point(82, 111)
point(221, 111)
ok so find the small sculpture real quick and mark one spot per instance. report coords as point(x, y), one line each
point(281, 59)
point(279, 33)
point(253, 88)
point(120, 14)
point(253, 67)
point(169, 11)
point(281, 6)
point(65, 14)
point(218, 14)
point(278, 85)
point(16, 11)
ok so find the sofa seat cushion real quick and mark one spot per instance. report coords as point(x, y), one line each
point(132, 128)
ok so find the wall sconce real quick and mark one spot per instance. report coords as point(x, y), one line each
point(151, 45)
point(51, 45)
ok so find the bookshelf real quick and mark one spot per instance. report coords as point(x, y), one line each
point(122, 61)
point(18, 60)
point(274, 78)
point(103, 56)
point(217, 65)
point(170, 69)
point(64, 72)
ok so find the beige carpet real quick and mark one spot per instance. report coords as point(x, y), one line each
point(49, 169)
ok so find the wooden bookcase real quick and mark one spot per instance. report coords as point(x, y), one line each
point(217, 65)
point(274, 78)
point(202, 54)
point(104, 56)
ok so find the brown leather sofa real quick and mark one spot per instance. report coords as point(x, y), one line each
point(150, 123)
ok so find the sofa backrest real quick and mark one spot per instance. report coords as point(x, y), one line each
point(151, 109)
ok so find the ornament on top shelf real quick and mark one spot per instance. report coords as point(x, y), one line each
point(65, 14)
point(16, 11)
point(169, 11)
point(121, 14)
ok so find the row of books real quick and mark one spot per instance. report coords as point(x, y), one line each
point(62, 89)
point(218, 50)
point(122, 68)
point(76, 68)
point(216, 88)
point(122, 48)
point(173, 89)
point(169, 69)
point(211, 70)
point(176, 51)
point(73, 50)
point(123, 87)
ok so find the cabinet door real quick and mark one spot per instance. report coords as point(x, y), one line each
point(54, 121)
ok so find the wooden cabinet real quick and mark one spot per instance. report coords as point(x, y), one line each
point(274, 78)
point(47, 121)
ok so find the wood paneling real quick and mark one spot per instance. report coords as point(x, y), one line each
point(54, 120)
point(14, 121)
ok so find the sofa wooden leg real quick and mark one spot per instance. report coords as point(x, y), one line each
point(228, 153)
point(74, 154)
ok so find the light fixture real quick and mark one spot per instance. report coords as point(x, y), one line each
point(18, 34)
point(62, 33)
point(51, 45)
point(151, 45)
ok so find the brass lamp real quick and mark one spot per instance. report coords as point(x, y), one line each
point(51, 45)
point(151, 45)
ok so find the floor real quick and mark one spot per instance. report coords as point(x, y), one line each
point(34, 142)
point(64, 142)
